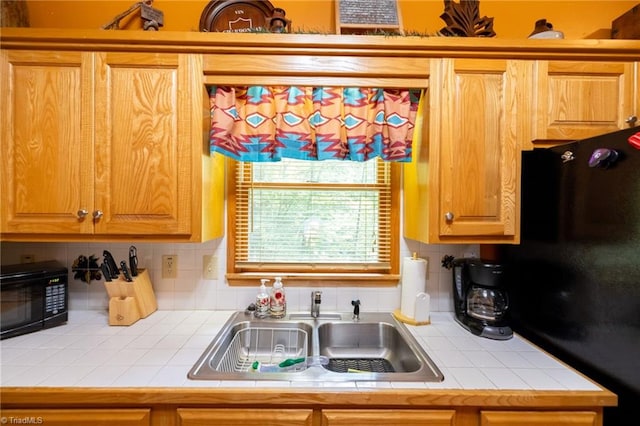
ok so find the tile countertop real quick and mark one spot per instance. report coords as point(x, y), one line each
point(159, 350)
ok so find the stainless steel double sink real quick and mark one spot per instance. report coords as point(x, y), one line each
point(331, 347)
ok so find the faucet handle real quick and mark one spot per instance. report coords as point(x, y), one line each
point(356, 309)
point(316, 296)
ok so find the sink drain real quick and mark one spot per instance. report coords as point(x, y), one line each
point(369, 365)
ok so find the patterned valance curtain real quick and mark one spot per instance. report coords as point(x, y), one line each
point(261, 123)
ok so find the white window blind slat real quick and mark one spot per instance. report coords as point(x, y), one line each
point(305, 215)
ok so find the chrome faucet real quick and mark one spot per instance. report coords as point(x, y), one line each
point(356, 309)
point(316, 299)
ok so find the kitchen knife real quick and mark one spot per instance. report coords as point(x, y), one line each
point(125, 271)
point(106, 272)
point(111, 262)
point(133, 260)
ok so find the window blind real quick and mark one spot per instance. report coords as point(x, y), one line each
point(304, 216)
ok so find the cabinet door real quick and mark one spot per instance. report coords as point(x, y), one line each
point(539, 418)
point(144, 145)
point(577, 100)
point(634, 119)
point(78, 417)
point(388, 417)
point(47, 150)
point(476, 177)
point(248, 417)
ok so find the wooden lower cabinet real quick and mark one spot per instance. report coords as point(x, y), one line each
point(168, 415)
point(237, 417)
point(78, 417)
point(306, 417)
point(388, 417)
point(539, 418)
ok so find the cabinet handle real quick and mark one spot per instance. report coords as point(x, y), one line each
point(82, 213)
point(631, 120)
point(97, 214)
point(448, 216)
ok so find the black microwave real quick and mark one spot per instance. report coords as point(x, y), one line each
point(34, 296)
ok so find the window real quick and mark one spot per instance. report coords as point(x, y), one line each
point(311, 220)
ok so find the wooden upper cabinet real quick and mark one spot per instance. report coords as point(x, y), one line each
point(47, 147)
point(479, 152)
point(636, 97)
point(107, 145)
point(473, 157)
point(576, 100)
point(143, 143)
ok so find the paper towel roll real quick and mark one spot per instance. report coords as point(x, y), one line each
point(413, 282)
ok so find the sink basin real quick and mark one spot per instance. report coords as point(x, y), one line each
point(376, 347)
point(332, 347)
point(242, 342)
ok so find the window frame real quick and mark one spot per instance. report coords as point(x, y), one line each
point(299, 278)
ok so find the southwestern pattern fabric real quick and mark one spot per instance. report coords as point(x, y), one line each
point(260, 123)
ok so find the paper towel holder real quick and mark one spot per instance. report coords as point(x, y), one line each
point(416, 302)
point(422, 306)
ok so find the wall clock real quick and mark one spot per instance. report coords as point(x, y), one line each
point(236, 15)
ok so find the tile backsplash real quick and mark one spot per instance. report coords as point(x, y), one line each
point(190, 290)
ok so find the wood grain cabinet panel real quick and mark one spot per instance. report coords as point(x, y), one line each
point(539, 418)
point(107, 145)
point(238, 417)
point(143, 143)
point(78, 417)
point(154, 174)
point(463, 185)
point(478, 157)
point(576, 100)
point(388, 417)
point(47, 147)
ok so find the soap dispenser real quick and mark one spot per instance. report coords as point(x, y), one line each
point(278, 306)
point(262, 300)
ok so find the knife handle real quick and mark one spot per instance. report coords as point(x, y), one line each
point(125, 271)
point(133, 261)
point(106, 272)
point(113, 267)
point(134, 266)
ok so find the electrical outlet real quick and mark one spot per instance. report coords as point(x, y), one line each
point(209, 267)
point(169, 266)
point(27, 258)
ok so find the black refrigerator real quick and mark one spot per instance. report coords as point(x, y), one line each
point(575, 284)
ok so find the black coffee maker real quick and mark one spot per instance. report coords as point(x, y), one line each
point(480, 298)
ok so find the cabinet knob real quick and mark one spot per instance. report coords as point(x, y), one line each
point(97, 214)
point(631, 120)
point(448, 216)
point(82, 213)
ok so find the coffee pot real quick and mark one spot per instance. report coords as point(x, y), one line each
point(480, 298)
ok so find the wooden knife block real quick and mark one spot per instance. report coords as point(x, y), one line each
point(130, 301)
point(123, 311)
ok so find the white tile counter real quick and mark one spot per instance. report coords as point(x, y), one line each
point(159, 350)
